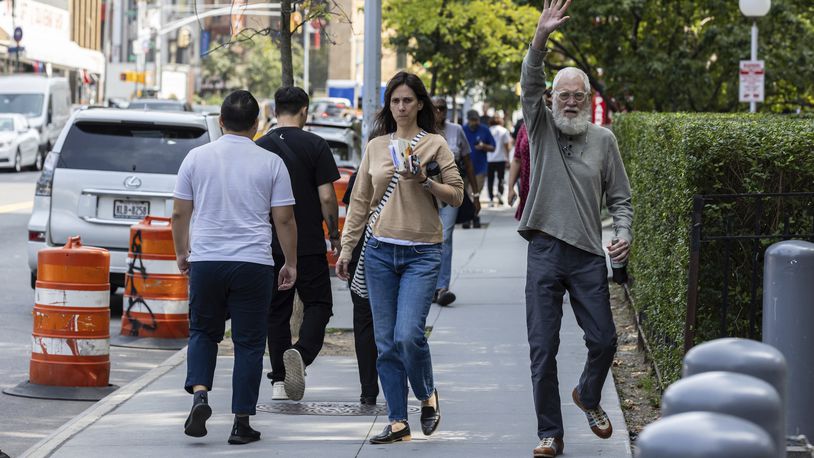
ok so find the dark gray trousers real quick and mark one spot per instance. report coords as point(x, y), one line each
point(555, 267)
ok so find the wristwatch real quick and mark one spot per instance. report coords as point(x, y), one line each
point(426, 184)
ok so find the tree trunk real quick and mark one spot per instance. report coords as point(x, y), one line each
point(296, 318)
point(285, 43)
point(433, 82)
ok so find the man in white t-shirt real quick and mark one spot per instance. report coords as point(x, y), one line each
point(498, 159)
point(231, 190)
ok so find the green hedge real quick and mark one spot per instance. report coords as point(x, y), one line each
point(671, 157)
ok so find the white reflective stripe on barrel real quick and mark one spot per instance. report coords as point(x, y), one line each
point(156, 266)
point(159, 306)
point(70, 347)
point(72, 298)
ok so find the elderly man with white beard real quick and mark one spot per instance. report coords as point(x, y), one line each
point(574, 164)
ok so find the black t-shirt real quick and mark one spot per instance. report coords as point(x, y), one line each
point(311, 166)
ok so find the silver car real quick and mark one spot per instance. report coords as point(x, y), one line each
point(19, 143)
point(108, 170)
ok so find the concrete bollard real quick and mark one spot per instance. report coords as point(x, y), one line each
point(739, 395)
point(788, 314)
point(742, 356)
point(704, 435)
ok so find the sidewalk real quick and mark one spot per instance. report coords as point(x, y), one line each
point(481, 367)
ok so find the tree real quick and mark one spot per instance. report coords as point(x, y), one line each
point(462, 42)
point(683, 55)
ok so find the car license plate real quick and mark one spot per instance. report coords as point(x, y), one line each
point(130, 209)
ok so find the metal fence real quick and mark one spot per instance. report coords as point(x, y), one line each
point(729, 234)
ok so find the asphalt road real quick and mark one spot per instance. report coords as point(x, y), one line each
point(24, 421)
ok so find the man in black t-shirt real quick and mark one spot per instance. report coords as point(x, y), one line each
point(313, 170)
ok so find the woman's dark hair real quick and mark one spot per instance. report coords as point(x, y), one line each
point(239, 111)
point(290, 100)
point(385, 123)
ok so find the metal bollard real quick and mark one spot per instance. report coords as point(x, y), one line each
point(742, 356)
point(704, 435)
point(788, 314)
point(739, 395)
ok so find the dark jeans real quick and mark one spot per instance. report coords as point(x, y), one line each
point(314, 288)
point(243, 290)
point(555, 267)
point(496, 170)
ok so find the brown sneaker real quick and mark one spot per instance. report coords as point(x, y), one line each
point(549, 447)
point(597, 418)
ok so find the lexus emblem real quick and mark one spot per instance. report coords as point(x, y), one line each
point(132, 182)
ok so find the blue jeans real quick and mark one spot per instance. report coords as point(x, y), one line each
point(448, 216)
point(244, 290)
point(401, 282)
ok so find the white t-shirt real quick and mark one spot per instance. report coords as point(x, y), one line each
point(232, 184)
point(502, 137)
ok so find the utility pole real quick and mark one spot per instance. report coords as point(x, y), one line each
point(371, 85)
point(306, 46)
point(106, 46)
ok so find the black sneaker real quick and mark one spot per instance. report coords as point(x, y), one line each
point(195, 425)
point(242, 433)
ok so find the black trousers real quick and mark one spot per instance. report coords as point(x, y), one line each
point(495, 170)
point(555, 267)
point(314, 288)
point(364, 340)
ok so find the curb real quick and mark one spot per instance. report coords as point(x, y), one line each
point(50, 444)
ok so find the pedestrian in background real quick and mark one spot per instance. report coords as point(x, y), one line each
point(519, 172)
point(312, 168)
point(574, 166)
point(458, 144)
point(231, 190)
point(364, 340)
point(396, 210)
point(498, 159)
point(481, 142)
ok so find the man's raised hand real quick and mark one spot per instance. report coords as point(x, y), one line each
point(552, 17)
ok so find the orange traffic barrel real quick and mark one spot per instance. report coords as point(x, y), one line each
point(340, 187)
point(156, 292)
point(71, 337)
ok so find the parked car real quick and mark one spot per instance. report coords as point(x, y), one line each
point(19, 143)
point(343, 138)
point(44, 101)
point(159, 105)
point(109, 169)
point(331, 109)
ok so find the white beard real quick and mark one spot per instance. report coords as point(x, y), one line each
point(572, 126)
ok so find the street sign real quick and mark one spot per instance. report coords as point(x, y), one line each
point(752, 76)
point(15, 49)
point(18, 33)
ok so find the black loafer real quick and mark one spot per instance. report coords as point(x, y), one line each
point(387, 436)
point(431, 416)
point(445, 297)
point(195, 425)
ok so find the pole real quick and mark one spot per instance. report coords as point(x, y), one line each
point(106, 46)
point(753, 104)
point(306, 39)
point(372, 71)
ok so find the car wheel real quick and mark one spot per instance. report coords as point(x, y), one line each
point(39, 161)
point(18, 161)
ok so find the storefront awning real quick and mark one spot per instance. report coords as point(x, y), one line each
point(64, 53)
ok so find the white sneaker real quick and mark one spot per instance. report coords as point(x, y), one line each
point(278, 392)
point(294, 374)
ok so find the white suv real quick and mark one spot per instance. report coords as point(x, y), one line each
point(109, 169)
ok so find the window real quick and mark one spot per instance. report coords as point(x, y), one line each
point(129, 147)
point(25, 104)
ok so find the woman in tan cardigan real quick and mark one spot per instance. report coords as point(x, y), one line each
point(402, 255)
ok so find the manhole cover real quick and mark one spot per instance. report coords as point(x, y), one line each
point(328, 408)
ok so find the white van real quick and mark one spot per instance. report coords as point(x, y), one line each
point(46, 102)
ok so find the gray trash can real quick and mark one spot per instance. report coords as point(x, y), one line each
point(704, 435)
point(788, 325)
point(739, 395)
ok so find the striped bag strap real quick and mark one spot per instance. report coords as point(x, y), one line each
point(359, 285)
